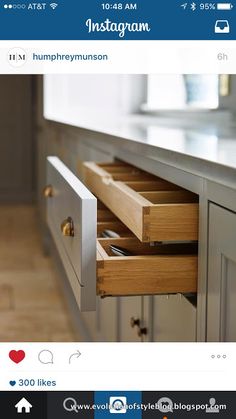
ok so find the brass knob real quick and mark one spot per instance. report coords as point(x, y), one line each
point(67, 227)
point(48, 191)
point(134, 322)
point(142, 331)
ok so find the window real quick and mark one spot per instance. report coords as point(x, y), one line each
point(74, 99)
point(82, 99)
point(182, 92)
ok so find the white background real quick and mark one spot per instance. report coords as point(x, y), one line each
point(113, 366)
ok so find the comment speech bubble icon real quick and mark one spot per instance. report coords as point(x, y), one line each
point(45, 357)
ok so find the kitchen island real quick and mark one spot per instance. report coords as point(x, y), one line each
point(201, 160)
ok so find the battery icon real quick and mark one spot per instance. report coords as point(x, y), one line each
point(224, 6)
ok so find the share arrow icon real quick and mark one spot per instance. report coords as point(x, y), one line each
point(74, 356)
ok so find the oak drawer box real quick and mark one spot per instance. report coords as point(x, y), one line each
point(77, 221)
point(149, 271)
point(152, 208)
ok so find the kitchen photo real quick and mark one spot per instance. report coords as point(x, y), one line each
point(118, 208)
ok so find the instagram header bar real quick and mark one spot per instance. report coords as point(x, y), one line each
point(122, 20)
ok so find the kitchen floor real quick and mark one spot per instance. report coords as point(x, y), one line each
point(32, 307)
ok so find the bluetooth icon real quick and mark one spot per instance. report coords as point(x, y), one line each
point(193, 6)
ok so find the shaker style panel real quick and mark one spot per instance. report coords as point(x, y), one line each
point(221, 307)
point(174, 319)
point(152, 208)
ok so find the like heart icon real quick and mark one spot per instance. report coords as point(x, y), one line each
point(17, 356)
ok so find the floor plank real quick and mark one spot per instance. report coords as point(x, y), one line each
point(32, 307)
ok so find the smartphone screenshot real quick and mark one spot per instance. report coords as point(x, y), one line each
point(117, 209)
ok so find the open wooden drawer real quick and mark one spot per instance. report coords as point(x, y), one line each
point(159, 269)
point(149, 271)
point(77, 220)
point(152, 208)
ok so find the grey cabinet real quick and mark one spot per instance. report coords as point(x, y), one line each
point(107, 319)
point(221, 304)
point(130, 319)
point(73, 220)
point(174, 319)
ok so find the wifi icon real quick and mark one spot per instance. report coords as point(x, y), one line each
point(53, 5)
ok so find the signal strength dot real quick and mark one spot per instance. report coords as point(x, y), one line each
point(53, 5)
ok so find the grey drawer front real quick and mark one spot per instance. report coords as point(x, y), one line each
point(70, 198)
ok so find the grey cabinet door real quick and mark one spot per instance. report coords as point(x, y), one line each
point(174, 319)
point(107, 319)
point(221, 304)
point(130, 308)
point(72, 219)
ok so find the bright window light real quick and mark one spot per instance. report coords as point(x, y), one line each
point(182, 92)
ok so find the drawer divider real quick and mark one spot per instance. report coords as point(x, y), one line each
point(160, 214)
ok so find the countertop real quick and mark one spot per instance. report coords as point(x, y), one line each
point(206, 149)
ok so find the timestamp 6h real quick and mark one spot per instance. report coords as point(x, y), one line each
point(119, 6)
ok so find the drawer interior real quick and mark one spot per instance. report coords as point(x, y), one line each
point(136, 248)
point(152, 208)
point(125, 172)
point(106, 220)
point(148, 270)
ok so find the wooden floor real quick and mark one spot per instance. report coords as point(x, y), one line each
point(32, 307)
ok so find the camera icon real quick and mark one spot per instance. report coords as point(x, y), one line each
point(118, 404)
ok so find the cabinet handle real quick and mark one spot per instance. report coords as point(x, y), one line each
point(142, 331)
point(67, 227)
point(134, 322)
point(48, 191)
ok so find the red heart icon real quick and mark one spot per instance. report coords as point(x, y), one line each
point(17, 356)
